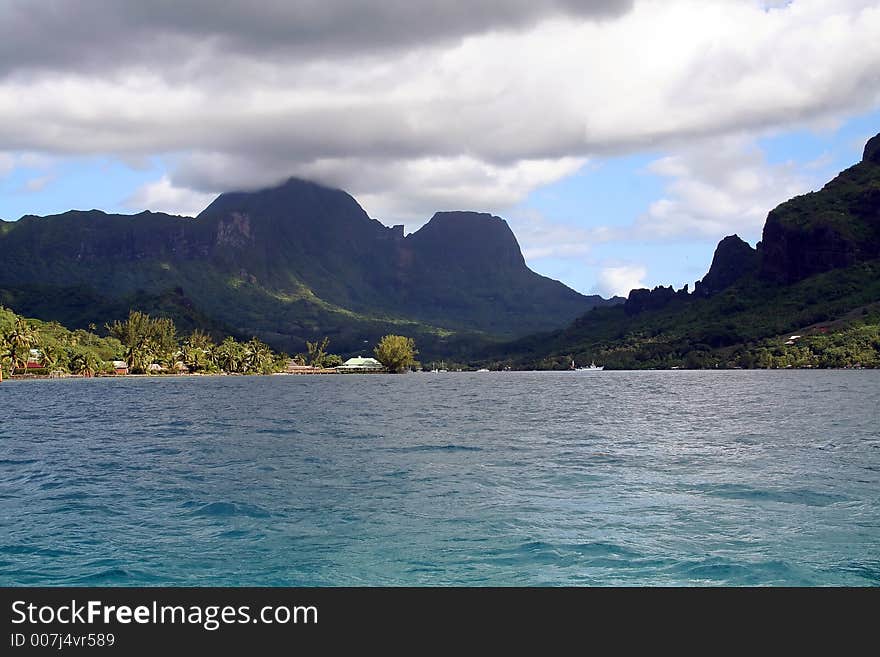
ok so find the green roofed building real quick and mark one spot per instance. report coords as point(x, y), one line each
point(361, 366)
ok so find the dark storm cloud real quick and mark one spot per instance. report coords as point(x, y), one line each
point(420, 104)
point(103, 34)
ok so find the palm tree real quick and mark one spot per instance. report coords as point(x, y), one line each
point(258, 357)
point(197, 351)
point(317, 351)
point(51, 355)
point(84, 363)
point(19, 342)
point(5, 361)
point(145, 339)
point(133, 333)
point(229, 355)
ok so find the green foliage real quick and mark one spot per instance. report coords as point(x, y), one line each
point(843, 205)
point(57, 349)
point(288, 265)
point(746, 326)
point(316, 352)
point(146, 340)
point(197, 352)
point(317, 355)
point(53, 355)
point(140, 340)
point(84, 362)
point(17, 343)
point(251, 357)
point(257, 358)
point(396, 352)
point(857, 345)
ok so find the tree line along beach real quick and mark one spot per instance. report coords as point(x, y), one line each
point(142, 345)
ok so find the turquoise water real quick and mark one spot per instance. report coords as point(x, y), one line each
point(613, 478)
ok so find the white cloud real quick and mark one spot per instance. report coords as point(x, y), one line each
point(34, 185)
point(9, 162)
point(540, 238)
point(163, 196)
point(618, 280)
point(432, 184)
point(459, 183)
point(718, 187)
point(512, 99)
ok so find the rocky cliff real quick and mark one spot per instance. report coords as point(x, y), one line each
point(836, 227)
point(733, 260)
point(290, 263)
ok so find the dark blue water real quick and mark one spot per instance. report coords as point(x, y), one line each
point(615, 478)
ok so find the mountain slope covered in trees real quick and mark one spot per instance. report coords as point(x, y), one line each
point(807, 296)
point(287, 264)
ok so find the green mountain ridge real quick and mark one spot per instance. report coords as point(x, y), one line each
point(807, 296)
point(286, 264)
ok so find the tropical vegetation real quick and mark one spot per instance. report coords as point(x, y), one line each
point(288, 264)
point(396, 352)
point(807, 296)
point(833, 317)
point(146, 344)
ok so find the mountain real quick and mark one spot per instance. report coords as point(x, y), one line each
point(807, 296)
point(734, 259)
point(286, 264)
point(833, 228)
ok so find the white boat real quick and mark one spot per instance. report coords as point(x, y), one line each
point(592, 368)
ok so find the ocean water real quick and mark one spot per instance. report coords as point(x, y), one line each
point(611, 478)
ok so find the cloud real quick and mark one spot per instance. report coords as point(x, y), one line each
point(541, 238)
point(434, 183)
point(10, 161)
point(716, 188)
point(163, 196)
point(7, 164)
point(447, 183)
point(104, 34)
point(386, 101)
point(38, 184)
point(620, 279)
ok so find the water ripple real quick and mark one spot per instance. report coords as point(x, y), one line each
point(628, 478)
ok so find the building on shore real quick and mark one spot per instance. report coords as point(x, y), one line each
point(358, 365)
point(34, 361)
point(120, 367)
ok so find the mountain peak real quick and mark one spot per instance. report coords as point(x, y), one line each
point(733, 260)
point(464, 215)
point(467, 221)
point(872, 150)
point(833, 228)
point(300, 260)
point(300, 184)
point(301, 208)
point(470, 236)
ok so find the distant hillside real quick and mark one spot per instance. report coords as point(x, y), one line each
point(286, 264)
point(814, 275)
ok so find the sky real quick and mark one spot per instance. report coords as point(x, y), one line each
point(620, 139)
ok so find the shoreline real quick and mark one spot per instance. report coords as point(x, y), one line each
point(46, 377)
